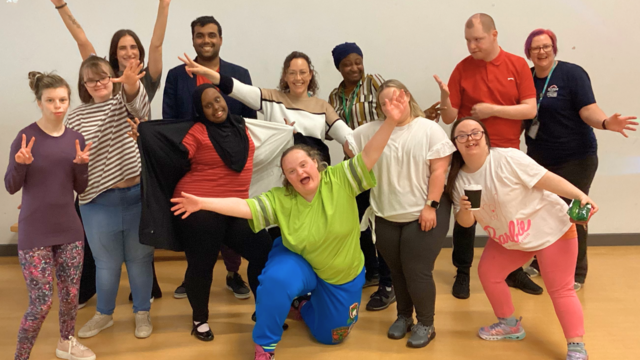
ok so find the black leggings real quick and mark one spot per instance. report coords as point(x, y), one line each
point(202, 234)
point(373, 260)
point(411, 255)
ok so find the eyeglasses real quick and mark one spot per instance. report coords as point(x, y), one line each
point(294, 74)
point(94, 83)
point(537, 49)
point(463, 138)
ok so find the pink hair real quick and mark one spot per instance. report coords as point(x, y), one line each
point(538, 32)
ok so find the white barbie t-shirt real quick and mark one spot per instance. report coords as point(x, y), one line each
point(513, 212)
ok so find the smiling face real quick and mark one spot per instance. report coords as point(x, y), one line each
point(98, 83)
point(302, 172)
point(54, 103)
point(127, 51)
point(207, 41)
point(470, 146)
point(541, 52)
point(214, 106)
point(352, 68)
point(298, 76)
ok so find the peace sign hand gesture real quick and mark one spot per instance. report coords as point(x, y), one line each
point(193, 67)
point(131, 75)
point(23, 156)
point(618, 123)
point(82, 157)
point(433, 113)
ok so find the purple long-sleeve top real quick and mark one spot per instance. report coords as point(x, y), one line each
point(48, 216)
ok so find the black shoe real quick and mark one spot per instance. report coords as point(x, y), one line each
point(460, 288)
point(381, 299)
point(203, 336)
point(238, 286)
point(181, 292)
point(520, 280)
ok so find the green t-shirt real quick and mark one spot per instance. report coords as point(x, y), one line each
point(325, 231)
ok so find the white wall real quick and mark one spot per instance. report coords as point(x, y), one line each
point(408, 40)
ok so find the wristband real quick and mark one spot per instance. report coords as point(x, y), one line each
point(604, 125)
point(61, 6)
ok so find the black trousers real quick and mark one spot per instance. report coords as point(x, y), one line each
point(411, 254)
point(580, 173)
point(373, 260)
point(202, 234)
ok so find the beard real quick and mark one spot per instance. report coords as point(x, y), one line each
point(214, 55)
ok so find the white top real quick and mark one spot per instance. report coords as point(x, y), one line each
point(403, 170)
point(513, 212)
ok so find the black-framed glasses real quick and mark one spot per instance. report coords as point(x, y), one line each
point(463, 138)
point(94, 83)
point(545, 48)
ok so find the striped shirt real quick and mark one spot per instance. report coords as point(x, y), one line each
point(114, 155)
point(364, 107)
point(209, 175)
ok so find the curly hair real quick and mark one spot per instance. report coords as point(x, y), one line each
point(313, 87)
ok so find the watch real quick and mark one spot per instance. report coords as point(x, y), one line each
point(434, 204)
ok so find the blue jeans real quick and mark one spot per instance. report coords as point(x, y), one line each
point(111, 222)
point(330, 313)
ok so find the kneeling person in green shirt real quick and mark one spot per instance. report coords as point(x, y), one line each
point(319, 251)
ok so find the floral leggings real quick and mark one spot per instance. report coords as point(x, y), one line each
point(37, 268)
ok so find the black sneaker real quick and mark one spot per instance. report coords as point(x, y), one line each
point(181, 292)
point(460, 288)
point(238, 286)
point(520, 280)
point(381, 299)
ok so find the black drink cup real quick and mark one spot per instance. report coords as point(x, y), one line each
point(474, 194)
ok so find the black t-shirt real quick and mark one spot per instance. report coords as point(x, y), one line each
point(563, 136)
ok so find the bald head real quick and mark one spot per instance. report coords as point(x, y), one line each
point(488, 25)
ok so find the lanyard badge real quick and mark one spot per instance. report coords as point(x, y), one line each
point(535, 126)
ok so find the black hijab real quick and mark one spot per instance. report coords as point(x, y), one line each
point(229, 138)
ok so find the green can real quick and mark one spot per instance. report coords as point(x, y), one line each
point(579, 213)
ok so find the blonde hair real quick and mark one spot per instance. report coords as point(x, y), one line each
point(312, 153)
point(416, 111)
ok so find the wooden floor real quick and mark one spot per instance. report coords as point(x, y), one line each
point(610, 300)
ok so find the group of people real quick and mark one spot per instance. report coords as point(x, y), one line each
point(202, 181)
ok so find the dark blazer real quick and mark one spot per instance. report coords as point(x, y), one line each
point(177, 104)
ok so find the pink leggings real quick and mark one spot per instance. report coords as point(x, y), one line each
point(557, 266)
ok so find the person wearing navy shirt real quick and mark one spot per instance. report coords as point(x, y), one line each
point(561, 137)
point(177, 103)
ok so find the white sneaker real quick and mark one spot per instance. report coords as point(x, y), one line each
point(531, 271)
point(80, 306)
point(71, 349)
point(577, 286)
point(98, 323)
point(143, 325)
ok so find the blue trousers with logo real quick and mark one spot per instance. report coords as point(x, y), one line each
point(330, 313)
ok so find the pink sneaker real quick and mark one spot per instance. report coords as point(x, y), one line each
point(502, 331)
point(263, 355)
point(72, 350)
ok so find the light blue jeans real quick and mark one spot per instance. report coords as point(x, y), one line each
point(111, 222)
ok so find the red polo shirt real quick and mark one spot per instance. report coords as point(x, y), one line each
point(505, 80)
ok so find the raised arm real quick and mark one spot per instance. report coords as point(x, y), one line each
point(395, 110)
point(155, 49)
point(189, 204)
point(246, 94)
point(559, 186)
point(84, 45)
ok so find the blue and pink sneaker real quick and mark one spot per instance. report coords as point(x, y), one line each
point(573, 355)
point(502, 331)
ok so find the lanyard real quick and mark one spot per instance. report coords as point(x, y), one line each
point(544, 89)
point(348, 109)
